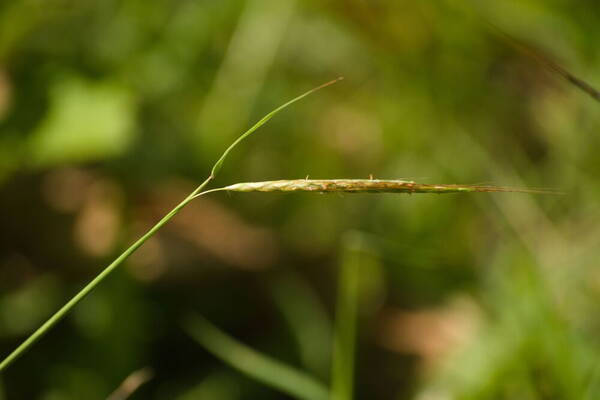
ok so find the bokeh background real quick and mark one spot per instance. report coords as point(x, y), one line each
point(112, 111)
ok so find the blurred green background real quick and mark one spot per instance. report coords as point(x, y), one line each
point(112, 111)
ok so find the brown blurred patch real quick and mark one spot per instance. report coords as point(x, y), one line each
point(432, 333)
point(352, 133)
point(97, 224)
point(95, 200)
point(400, 25)
point(131, 384)
point(5, 93)
point(65, 189)
point(212, 228)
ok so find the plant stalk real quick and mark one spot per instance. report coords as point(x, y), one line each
point(64, 310)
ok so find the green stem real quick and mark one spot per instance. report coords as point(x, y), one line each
point(346, 315)
point(54, 319)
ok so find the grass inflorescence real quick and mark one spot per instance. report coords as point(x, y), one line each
point(367, 186)
point(297, 185)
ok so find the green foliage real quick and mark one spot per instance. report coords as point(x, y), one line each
point(85, 122)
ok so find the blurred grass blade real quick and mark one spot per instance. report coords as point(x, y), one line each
point(254, 364)
point(298, 303)
point(547, 63)
point(239, 78)
point(524, 48)
point(342, 374)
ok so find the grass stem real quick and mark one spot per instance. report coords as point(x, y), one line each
point(64, 310)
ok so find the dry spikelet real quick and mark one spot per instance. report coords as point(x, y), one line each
point(365, 186)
